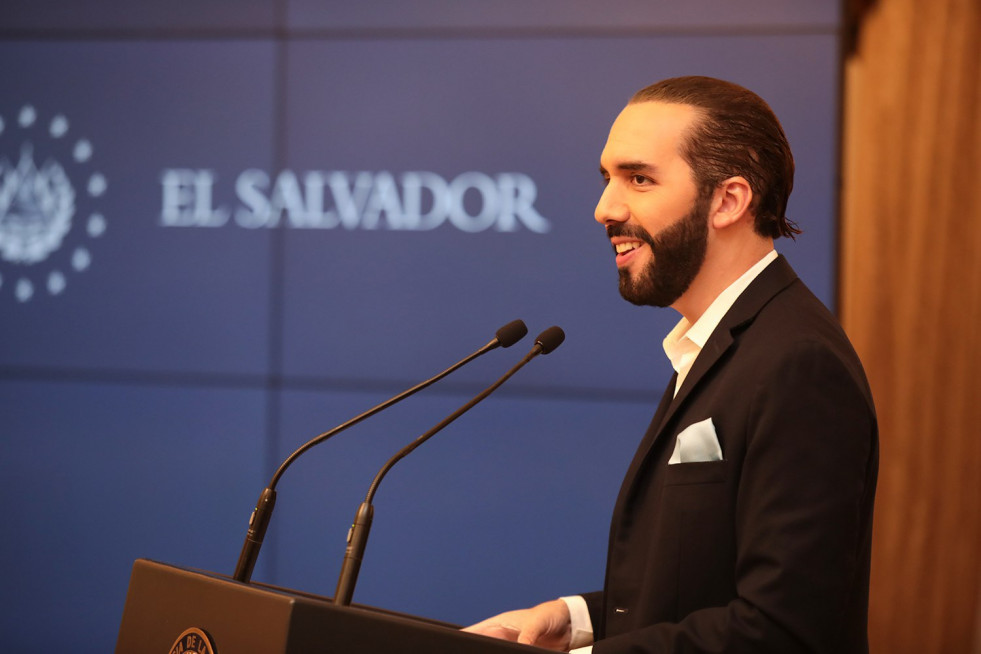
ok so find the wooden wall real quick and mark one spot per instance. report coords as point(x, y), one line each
point(910, 299)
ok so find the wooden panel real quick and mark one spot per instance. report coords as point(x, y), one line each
point(911, 302)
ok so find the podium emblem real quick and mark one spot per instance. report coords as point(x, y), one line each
point(194, 641)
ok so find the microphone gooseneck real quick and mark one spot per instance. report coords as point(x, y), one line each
point(506, 336)
point(546, 342)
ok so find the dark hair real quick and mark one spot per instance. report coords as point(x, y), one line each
point(736, 133)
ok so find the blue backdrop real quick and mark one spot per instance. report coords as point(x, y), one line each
point(227, 229)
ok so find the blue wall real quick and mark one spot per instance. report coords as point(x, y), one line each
point(239, 248)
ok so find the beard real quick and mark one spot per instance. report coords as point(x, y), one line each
point(678, 252)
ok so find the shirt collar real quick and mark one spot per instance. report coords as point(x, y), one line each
point(686, 338)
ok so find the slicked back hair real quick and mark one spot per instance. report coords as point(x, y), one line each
point(735, 133)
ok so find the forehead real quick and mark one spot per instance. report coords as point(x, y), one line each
point(648, 132)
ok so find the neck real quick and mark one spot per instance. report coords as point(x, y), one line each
point(724, 264)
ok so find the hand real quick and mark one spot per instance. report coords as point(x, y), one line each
point(546, 625)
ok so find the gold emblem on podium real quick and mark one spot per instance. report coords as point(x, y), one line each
point(194, 641)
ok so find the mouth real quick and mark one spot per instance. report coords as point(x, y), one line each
point(626, 249)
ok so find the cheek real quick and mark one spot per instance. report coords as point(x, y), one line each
point(655, 213)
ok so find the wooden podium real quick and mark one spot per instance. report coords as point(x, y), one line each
point(173, 610)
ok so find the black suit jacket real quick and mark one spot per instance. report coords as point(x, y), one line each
point(767, 550)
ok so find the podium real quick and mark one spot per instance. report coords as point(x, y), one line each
point(174, 610)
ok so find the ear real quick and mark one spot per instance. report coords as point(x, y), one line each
point(731, 203)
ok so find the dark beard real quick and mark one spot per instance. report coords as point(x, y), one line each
point(678, 253)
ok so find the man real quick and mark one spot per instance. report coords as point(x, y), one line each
point(744, 521)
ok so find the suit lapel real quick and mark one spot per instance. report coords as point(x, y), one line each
point(715, 347)
point(640, 456)
point(774, 278)
point(652, 431)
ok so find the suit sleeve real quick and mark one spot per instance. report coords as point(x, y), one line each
point(594, 601)
point(802, 518)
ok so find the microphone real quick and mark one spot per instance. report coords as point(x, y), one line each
point(357, 537)
point(506, 336)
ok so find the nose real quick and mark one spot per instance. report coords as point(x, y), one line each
point(611, 208)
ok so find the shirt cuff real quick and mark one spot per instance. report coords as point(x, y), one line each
point(580, 626)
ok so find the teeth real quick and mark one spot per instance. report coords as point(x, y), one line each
point(625, 247)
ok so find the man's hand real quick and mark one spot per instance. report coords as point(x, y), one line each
point(546, 625)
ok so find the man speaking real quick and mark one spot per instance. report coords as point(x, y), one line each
point(744, 522)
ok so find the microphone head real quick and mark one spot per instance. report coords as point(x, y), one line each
point(550, 339)
point(511, 333)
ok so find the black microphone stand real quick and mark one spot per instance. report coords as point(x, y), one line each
point(357, 537)
point(506, 336)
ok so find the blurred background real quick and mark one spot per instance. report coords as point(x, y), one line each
point(227, 227)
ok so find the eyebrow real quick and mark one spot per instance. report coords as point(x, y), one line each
point(632, 167)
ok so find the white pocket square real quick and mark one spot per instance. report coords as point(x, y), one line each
point(697, 442)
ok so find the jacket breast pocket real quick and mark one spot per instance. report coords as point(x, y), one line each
point(702, 472)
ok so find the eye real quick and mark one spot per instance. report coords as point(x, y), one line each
point(641, 180)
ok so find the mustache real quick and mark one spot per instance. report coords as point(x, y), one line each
point(629, 231)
